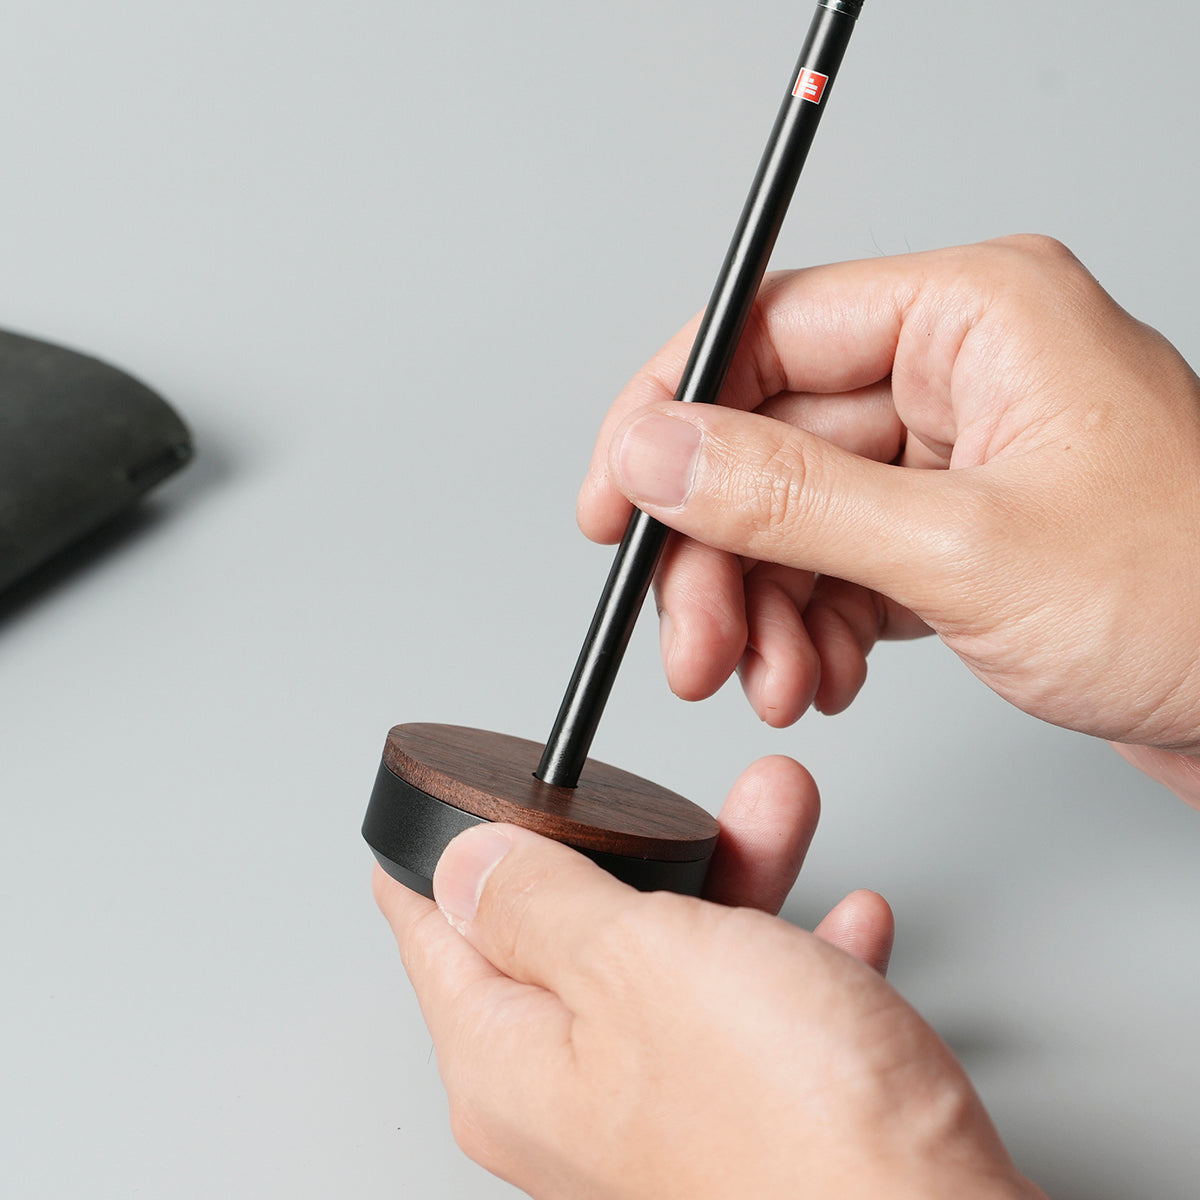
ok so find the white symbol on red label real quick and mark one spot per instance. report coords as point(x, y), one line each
point(810, 85)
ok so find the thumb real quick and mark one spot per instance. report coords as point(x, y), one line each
point(764, 489)
point(535, 909)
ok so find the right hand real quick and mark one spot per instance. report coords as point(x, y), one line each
point(1007, 459)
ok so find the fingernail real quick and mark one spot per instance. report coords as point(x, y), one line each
point(463, 870)
point(657, 460)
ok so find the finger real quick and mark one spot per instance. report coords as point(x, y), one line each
point(767, 824)
point(829, 329)
point(702, 617)
point(844, 622)
point(780, 669)
point(862, 925)
point(601, 510)
point(864, 421)
point(758, 488)
point(705, 624)
point(918, 456)
point(503, 1047)
point(533, 908)
point(439, 964)
point(715, 618)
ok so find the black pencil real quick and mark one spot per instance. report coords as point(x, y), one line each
point(703, 377)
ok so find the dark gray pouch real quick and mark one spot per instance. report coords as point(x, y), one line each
point(80, 442)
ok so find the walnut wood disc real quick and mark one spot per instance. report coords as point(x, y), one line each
point(491, 775)
point(436, 780)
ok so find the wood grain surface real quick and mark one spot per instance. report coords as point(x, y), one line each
point(491, 775)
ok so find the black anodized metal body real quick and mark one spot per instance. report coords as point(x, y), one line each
point(407, 830)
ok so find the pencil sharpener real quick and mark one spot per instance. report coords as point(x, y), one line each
point(437, 780)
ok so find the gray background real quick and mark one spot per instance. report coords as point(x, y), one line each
point(393, 261)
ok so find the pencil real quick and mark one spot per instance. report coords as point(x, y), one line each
point(704, 375)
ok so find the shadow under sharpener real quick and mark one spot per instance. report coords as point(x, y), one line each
point(437, 780)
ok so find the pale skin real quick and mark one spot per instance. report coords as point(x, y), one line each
point(977, 443)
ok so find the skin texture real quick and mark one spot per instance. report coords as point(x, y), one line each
point(976, 443)
point(598, 1042)
point(1055, 555)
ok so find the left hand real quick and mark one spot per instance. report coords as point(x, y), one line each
point(596, 1041)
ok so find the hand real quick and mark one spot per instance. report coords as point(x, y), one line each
point(598, 1042)
point(1056, 555)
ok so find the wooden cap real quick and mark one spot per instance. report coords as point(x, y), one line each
point(436, 781)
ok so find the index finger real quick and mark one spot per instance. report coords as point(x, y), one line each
point(439, 964)
point(501, 1045)
point(825, 330)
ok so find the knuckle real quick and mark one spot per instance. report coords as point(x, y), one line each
point(774, 495)
point(1039, 249)
point(781, 492)
point(1041, 246)
point(1036, 260)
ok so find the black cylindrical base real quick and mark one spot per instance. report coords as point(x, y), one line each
point(407, 829)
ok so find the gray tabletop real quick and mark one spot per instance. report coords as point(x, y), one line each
point(393, 261)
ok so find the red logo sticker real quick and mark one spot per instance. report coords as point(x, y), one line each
point(810, 85)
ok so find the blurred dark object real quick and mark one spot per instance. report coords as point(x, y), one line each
point(80, 443)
